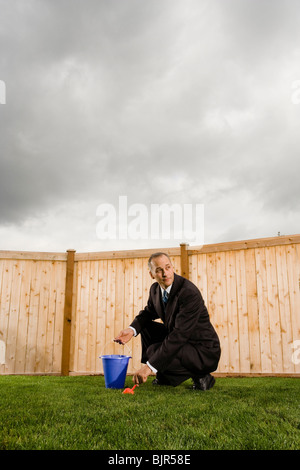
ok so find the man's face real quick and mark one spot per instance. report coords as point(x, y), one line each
point(162, 271)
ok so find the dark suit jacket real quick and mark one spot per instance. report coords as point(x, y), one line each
point(188, 326)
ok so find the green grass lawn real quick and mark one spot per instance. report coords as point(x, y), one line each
point(43, 412)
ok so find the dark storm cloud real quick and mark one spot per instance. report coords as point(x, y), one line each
point(71, 70)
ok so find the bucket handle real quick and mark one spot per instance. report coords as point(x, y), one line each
point(112, 341)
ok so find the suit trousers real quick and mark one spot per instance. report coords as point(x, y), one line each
point(152, 336)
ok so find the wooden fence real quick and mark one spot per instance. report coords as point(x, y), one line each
point(60, 311)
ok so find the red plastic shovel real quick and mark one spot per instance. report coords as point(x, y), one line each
point(130, 390)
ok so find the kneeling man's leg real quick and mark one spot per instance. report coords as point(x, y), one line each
point(153, 333)
point(175, 374)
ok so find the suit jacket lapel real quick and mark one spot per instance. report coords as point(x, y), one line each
point(157, 300)
point(178, 280)
point(167, 313)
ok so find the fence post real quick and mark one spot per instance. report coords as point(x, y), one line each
point(66, 339)
point(184, 259)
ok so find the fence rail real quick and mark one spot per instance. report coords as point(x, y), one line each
point(60, 311)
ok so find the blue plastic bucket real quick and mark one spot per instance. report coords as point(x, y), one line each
point(115, 369)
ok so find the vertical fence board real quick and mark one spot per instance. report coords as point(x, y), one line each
point(233, 324)
point(119, 315)
point(266, 359)
point(242, 312)
point(221, 308)
point(129, 310)
point(92, 318)
point(14, 308)
point(82, 323)
point(193, 268)
point(137, 306)
point(212, 299)
point(5, 308)
point(42, 319)
point(111, 308)
point(284, 309)
point(201, 280)
point(101, 317)
point(75, 322)
point(273, 308)
point(293, 280)
point(2, 317)
point(33, 318)
point(50, 320)
point(252, 308)
point(59, 293)
point(20, 362)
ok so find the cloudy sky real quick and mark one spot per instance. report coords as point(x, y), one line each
point(162, 101)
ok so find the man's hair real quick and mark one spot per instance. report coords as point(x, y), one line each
point(157, 255)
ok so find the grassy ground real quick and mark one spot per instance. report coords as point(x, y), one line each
point(80, 413)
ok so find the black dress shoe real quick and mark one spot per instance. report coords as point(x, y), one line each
point(204, 383)
point(160, 382)
point(156, 382)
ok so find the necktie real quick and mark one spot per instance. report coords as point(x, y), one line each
point(165, 298)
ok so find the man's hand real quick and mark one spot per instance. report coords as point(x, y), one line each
point(124, 336)
point(141, 375)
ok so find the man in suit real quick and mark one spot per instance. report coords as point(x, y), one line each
point(185, 345)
